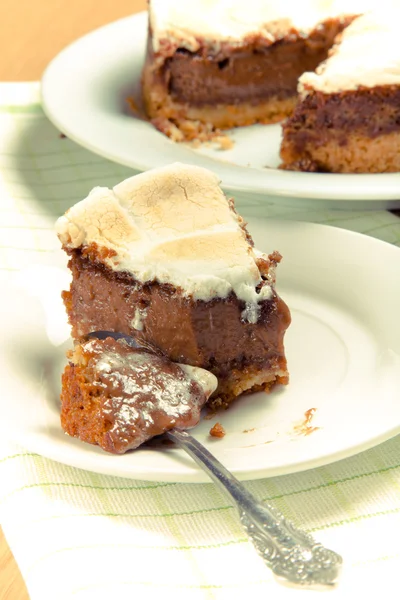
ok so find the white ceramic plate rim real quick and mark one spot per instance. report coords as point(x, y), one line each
point(67, 78)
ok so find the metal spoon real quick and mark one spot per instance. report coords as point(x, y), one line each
point(292, 555)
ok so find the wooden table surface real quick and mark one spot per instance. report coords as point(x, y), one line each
point(32, 32)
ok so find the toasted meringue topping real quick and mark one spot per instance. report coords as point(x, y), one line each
point(367, 54)
point(172, 225)
point(188, 25)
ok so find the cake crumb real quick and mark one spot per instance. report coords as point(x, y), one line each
point(136, 109)
point(132, 105)
point(249, 430)
point(305, 427)
point(224, 142)
point(209, 415)
point(168, 128)
point(217, 431)
point(304, 164)
point(194, 133)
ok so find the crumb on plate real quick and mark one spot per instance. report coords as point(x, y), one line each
point(217, 431)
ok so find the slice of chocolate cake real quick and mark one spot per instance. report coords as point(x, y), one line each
point(118, 397)
point(348, 117)
point(164, 257)
point(213, 64)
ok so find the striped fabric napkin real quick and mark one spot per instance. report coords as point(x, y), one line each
point(81, 535)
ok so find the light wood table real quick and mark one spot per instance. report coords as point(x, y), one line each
point(32, 32)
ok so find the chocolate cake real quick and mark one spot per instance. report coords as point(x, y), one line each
point(164, 257)
point(348, 117)
point(118, 397)
point(214, 65)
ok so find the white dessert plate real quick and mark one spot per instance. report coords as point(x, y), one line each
point(343, 351)
point(85, 91)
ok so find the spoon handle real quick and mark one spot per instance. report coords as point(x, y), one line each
point(290, 553)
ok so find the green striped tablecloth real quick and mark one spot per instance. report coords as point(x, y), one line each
point(81, 535)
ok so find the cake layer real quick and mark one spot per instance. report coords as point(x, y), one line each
point(344, 132)
point(370, 112)
point(118, 397)
point(251, 73)
point(241, 352)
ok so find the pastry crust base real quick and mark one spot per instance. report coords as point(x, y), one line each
point(360, 154)
point(183, 123)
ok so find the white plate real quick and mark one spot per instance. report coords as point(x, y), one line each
point(343, 351)
point(84, 93)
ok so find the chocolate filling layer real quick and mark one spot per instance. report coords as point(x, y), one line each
point(252, 73)
point(321, 117)
point(206, 334)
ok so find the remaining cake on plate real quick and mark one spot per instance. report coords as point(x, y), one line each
point(216, 64)
point(118, 397)
point(164, 257)
point(348, 117)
